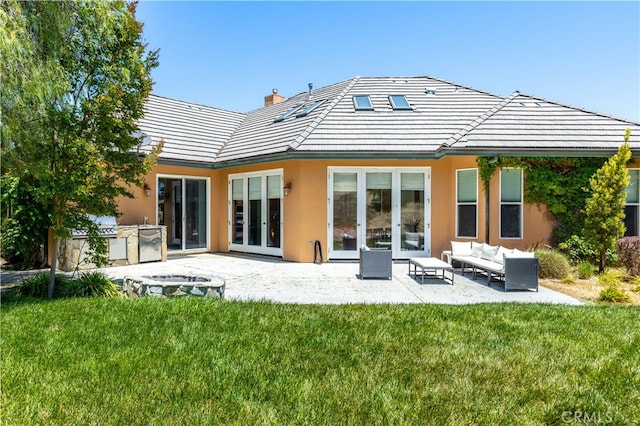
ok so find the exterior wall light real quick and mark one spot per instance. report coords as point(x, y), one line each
point(147, 190)
point(286, 188)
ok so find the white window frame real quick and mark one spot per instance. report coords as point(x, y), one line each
point(637, 204)
point(245, 247)
point(396, 173)
point(520, 204)
point(466, 203)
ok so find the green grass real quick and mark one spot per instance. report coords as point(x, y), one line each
point(196, 361)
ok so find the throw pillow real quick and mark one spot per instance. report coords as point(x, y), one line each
point(459, 248)
point(476, 249)
point(489, 252)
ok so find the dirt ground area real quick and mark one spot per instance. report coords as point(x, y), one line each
point(589, 290)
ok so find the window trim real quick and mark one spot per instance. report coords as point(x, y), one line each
point(362, 108)
point(466, 203)
point(520, 204)
point(397, 107)
point(636, 204)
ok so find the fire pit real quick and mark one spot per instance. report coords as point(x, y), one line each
point(174, 285)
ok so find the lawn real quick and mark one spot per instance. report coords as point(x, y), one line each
point(197, 361)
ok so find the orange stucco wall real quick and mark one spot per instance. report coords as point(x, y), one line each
point(305, 207)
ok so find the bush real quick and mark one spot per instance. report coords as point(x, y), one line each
point(629, 253)
point(578, 250)
point(585, 270)
point(614, 295)
point(89, 284)
point(609, 278)
point(38, 285)
point(552, 264)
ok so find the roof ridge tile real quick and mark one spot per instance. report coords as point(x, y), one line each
point(480, 119)
point(299, 140)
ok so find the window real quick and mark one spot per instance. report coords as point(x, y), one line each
point(467, 203)
point(287, 113)
point(362, 103)
point(632, 209)
point(399, 102)
point(511, 203)
point(310, 108)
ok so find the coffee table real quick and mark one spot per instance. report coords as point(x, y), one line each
point(427, 264)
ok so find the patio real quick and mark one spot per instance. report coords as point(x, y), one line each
point(271, 279)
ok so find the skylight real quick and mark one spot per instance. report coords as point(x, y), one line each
point(362, 103)
point(309, 108)
point(399, 102)
point(287, 113)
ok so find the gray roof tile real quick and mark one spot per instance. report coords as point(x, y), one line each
point(456, 119)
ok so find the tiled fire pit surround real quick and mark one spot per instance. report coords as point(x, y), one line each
point(174, 285)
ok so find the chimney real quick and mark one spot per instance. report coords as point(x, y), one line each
point(273, 98)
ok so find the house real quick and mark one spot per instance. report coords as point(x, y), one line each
point(383, 161)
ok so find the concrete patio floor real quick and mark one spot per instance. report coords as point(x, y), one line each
point(264, 278)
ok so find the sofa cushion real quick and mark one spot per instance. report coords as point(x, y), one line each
point(489, 252)
point(501, 253)
point(476, 249)
point(460, 248)
point(520, 253)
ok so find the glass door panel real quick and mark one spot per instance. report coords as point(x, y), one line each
point(412, 212)
point(345, 211)
point(182, 208)
point(273, 210)
point(195, 213)
point(237, 214)
point(176, 214)
point(255, 211)
point(378, 210)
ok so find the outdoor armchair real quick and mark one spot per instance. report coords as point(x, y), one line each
point(375, 263)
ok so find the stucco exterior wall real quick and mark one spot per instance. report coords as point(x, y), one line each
point(305, 207)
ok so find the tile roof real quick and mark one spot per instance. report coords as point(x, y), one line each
point(192, 133)
point(456, 119)
point(527, 123)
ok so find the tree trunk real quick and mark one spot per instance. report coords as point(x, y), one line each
point(603, 261)
point(52, 271)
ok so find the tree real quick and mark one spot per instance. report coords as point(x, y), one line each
point(604, 210)
point(82, 75)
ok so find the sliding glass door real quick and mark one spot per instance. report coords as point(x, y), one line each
point(183, 208)
point(255, 212)
point(379, 208)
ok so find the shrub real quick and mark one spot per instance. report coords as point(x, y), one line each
point(614, 295)
point(629, 253)
point(37, 285)
point(609, 278)
point(568, 280)
point(577, 250)
point(552, 264)
point(91, 284)
point(585, 270)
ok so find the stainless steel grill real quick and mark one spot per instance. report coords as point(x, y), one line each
point(108, 227)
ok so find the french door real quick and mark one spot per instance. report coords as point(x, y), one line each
point(183, 207)
point(380, 208)
point(255, 212)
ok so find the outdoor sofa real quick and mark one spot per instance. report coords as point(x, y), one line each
point(517, 269)
point(375, 263)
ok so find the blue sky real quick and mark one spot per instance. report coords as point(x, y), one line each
point(231, 54)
